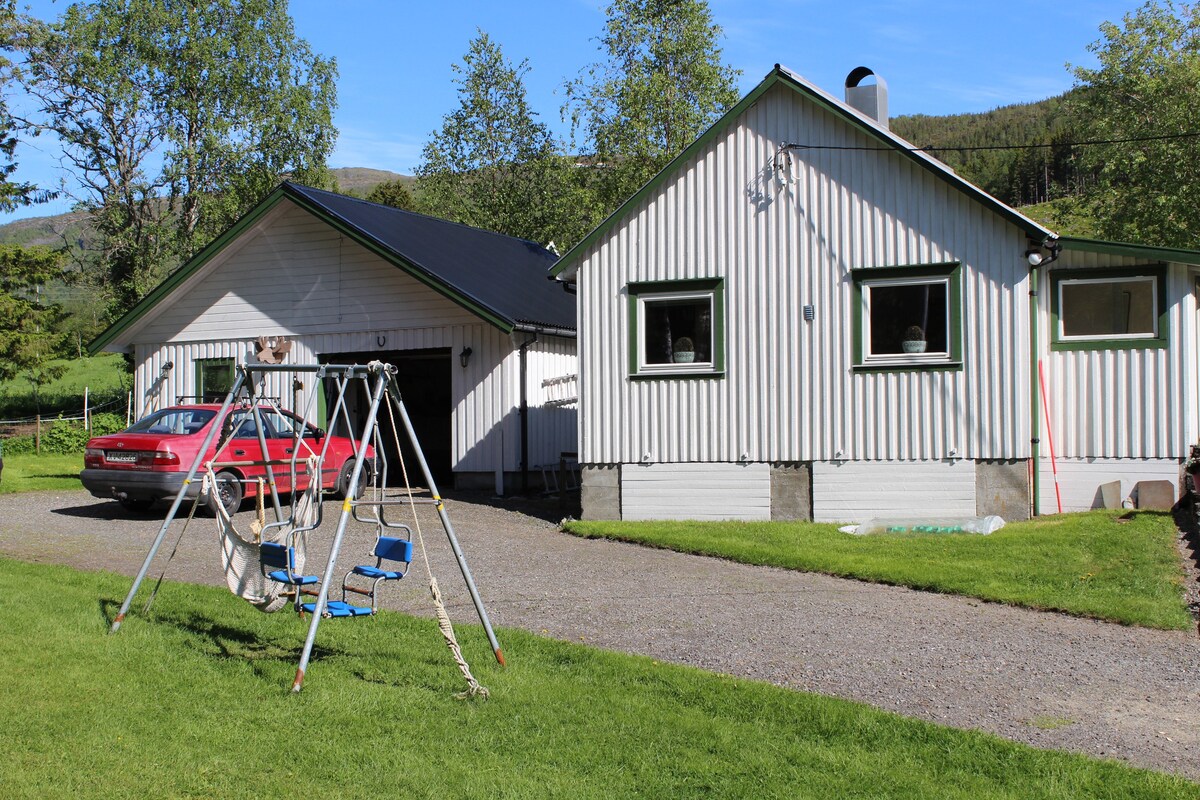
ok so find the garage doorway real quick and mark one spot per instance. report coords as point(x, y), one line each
point(423, 378)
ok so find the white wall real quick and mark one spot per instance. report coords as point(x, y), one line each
point(790, 393)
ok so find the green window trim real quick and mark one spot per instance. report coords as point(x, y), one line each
point(212, 365)
point(639, 291)
point(951, 271)
point(1156, 342)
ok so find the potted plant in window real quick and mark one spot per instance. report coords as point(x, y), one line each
point(914, 340)
point(684, 351)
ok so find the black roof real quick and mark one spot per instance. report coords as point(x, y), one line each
point(503, 275)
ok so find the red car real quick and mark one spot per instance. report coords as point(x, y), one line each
point(150, 460)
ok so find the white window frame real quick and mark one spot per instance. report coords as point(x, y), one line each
point(701, 367)
point(867, 285)
point(1153, 280)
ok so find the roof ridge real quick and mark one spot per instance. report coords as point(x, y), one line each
point(305, 188)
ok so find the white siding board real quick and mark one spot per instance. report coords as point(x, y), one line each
point(1079, 479)
point(696, 491)
point(297, 276)
point(855, 491)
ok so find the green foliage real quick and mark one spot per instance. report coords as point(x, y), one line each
point(1032, 159)
point(392, 193)
point(1147, 84)
point(1088, 564)
point(175, 118)
point(163, 708)
point(29, 336)
point(493, 165)
point(661, 85)
point(65, 436)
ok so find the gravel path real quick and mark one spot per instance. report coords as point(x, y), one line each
point(1044, 679)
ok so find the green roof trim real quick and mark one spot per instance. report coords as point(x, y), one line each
point(793, 81)
point(179, 276)
point(1176, 255)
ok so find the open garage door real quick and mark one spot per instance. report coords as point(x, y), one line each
point(423, 377)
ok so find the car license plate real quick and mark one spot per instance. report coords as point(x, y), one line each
point(121, 458)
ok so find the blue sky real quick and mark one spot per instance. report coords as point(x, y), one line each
point(395, 79)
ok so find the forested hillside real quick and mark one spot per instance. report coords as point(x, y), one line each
point(1020, 154)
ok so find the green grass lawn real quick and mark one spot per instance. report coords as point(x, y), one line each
point(192, 700)
point(1109, 565)
point(30, 473)
point(104, 376)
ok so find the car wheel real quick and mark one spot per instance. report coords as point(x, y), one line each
point(343, 483)
point(138, 505)
point(229, 494)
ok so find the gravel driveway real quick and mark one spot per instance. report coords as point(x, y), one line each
point(1045, 679)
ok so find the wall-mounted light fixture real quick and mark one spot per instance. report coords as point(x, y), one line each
point(1036, 258)
point(465, 356)
point(167, 367)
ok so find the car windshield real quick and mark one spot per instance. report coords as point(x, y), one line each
point(177, 421)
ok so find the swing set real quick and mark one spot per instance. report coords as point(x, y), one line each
point(266, 566)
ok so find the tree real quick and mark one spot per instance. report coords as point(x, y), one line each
point(29, 336)
point(493, 165)
point(392, 193)
point(661, 85)
point(175, 117)
point(12, 193)
point(1147, 85)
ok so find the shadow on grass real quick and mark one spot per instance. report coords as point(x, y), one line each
point(222, 639)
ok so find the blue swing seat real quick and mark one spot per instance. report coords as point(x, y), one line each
point(339, 608)
point(273, 554)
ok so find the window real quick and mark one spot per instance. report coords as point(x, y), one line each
point(907, 317)
point(214, 379)
point(1108, 309)
point(677, 328)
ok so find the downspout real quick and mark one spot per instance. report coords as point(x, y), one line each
point(1035, 429)
point(1035, 258)
point(524, 412)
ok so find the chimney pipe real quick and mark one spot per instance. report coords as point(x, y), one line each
point(871, 99)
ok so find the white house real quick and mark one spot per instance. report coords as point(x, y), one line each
point(791, 254)
point(484, 343)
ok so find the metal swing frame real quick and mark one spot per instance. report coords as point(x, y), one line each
point(380, 381)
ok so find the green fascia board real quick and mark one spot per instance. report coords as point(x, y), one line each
point(180, 275)
point(1175, 255)
point(253, 216)
point(786, 77)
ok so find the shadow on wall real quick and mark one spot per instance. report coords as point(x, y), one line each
point(552, 430)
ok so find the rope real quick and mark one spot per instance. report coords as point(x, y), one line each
point(474, 687)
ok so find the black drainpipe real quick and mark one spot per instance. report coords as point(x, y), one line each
point(525, 415)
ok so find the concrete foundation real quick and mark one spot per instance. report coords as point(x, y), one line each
point(1002, 488)
point(600, 491)
point(791, 491)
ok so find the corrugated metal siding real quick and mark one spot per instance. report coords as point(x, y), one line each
point(856, 491)
point(1079, 480)
point(696, 491)
point(789, 393)
point(1123, 403)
